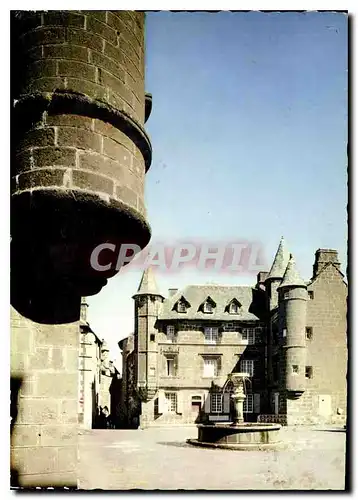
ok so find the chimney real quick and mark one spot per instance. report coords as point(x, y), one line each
point(172, 291)
point(323, 256)
point(261, 277)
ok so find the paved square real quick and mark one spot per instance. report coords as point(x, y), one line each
point(159, 458)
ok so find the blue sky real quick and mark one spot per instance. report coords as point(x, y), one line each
point(249, 133)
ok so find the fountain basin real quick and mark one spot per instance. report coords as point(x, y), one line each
point(246, 436)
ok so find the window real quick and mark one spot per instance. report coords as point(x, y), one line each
point(309, 372)
point(170, 333)
point(211, 335)
point(295, 369)
point(208, 308)
point(247, 366)
point(234, 308)
point(152, 337)
point(249, 334)
point(249, 403)
point(216, 402)
point(171, 366)
point(196, 403)
point(171, 402)
point(309, 332)
point(284, 333)
point(310, 295)
point(181, 307)
point(211, 367)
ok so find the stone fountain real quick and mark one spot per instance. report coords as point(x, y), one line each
point(238, 435)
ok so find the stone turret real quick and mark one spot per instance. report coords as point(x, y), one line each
point(148, 302)
point(79, 153)
point(293, 305)
point(276, 273)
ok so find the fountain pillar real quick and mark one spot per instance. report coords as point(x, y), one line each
point(239, 395)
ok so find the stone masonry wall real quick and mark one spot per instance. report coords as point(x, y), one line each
point(44, 359)
point(326, 354)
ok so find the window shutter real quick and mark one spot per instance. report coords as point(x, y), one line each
point(256, 403)
point(226, 402)
point(179, 402)
point(161, 402)
point(207, 403)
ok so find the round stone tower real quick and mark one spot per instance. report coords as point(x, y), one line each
point(292, 298)
point(79, 153)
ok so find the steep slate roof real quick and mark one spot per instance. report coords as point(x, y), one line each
point(280, 261)
point(148, 284)
point(220, 294)
point(291, 276)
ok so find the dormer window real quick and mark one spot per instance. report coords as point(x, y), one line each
point(208, 306)
point(233, 307)
point(182, 305)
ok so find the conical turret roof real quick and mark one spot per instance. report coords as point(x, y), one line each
point(291, 276)
point(148, 284)
point(280, 261)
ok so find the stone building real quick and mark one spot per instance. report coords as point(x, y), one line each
point(99, 381)
point(289, 335)
point(79, 155)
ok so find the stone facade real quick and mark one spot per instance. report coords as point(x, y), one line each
point(99, 379)
point(288, 334)
point(79, 154)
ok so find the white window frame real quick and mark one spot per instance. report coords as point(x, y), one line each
point(208, 307)
point(249, 334)
point(171, 400)
point(170, 333)
point(171, 361)
point(211, 361)
point(247, 366)
point(216, 402)
point(249, 403)
point(211, 334)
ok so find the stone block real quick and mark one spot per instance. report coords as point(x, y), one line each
point(71, 356)
point(67, 458)
point(75, 68)
point(44, 35)
point(79, 138)
point(92, 182)
point(55, 435)
point(58, 358)
point(39, 137)
point(26, 435)
point(40, 359)
point(57, 335)
point(66, 52)
point(64, 18)
point(68, 411)
point(110, 65)
point(84, 39)
point(21, 340)
point(37, 411)
point(58, 385)
point(50, 156)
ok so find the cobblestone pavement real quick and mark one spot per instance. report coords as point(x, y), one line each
point(160, 459)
